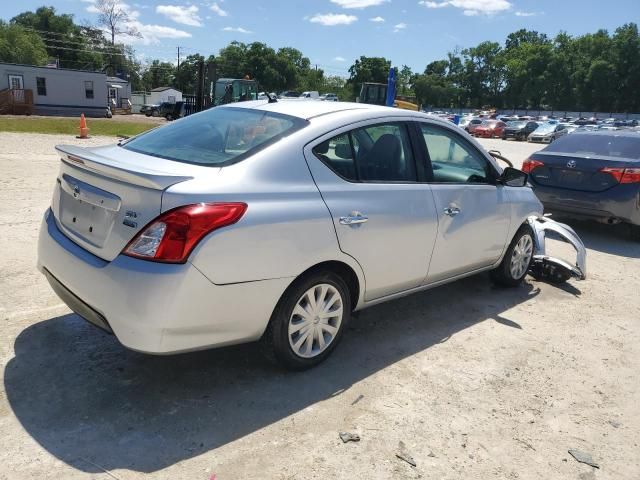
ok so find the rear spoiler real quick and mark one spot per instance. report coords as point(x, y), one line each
point(86, 159)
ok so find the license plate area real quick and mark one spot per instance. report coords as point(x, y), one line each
point(571, 177)
point(87, 211)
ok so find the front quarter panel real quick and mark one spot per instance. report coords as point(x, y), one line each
point(524, 204)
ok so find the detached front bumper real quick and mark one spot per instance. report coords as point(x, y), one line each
point(554, 268)
point(153, 307)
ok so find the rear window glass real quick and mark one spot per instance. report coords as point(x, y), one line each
point(598, 145)
point(216, 137)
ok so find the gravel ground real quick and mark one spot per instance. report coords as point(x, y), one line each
point(477, 382)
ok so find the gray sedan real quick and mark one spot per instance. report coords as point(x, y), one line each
point(276, 220)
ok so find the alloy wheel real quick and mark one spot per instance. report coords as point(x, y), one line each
point(521, 257)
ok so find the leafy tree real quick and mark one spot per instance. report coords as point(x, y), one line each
point(404, 79)
point(368, 69)
point(18, 45)
point(158, 74)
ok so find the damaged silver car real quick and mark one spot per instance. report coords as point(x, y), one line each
point(276, 220)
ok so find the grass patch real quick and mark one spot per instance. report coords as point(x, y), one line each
point(70, 126)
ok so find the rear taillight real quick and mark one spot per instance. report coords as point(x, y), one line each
point(172, 236)
point(623, 175)
point(529, 165)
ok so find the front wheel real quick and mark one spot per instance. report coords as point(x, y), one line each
point(516, 261)
point(309, 320)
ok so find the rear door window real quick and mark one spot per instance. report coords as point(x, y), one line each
point(376, 153)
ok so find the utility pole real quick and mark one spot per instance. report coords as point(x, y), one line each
point(178, 70)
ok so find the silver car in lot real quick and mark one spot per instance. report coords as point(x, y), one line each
point(548, 132)
point(275, 221)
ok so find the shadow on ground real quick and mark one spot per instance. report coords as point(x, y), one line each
point(89, 401)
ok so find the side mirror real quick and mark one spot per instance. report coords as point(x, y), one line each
point(512, 177)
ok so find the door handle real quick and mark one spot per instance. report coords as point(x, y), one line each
point(451, 211)
point(354, 219)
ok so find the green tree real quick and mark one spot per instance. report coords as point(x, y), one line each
point(368, 69)
point(18, 45)
point(158, 74)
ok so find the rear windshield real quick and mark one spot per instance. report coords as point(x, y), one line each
point(216, 137)
point(598, 145)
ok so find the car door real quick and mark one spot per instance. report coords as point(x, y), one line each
point(383, 216)
point(473, 210)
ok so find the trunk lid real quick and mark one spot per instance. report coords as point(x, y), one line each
point(104, 196)
point(567, 171)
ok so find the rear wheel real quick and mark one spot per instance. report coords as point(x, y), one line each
point(516, 261)
point(309, 320)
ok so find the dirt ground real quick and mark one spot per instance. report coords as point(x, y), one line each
point(478, 382)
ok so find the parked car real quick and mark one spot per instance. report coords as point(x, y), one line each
point(489, 129)
point(547, 133)
point(262, 220)
point(590, 174)
point(149, 109)
point(473, 124)
point(172, 111)
point(519, 130)
point(289, 94)
point(312, 94)
point(329, 97)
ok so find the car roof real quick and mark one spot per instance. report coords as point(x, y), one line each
point(609, 133)
point(308, 109)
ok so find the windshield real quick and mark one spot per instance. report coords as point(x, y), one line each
point(516, 124)
point(598, 145)
point(546, 128)
point(216, 137)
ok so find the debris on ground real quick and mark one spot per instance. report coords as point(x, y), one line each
point(403, 454)
point(349, 437)
point(615, 423)
point(360, 397)
point(583, 457)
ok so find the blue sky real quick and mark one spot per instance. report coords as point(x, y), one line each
point(332, 33)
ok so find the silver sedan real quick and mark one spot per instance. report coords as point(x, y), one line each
point(275, 221)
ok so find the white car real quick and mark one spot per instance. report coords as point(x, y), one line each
point(275, 220)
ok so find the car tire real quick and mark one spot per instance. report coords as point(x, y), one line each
point(287, 336)
point(517, 259)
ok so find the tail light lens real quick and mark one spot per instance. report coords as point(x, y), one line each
point(172, 236)
point(623, 175)
point(529, 165)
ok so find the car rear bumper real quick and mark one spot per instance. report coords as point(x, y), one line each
point(153, 307)
point(619, 203)
point(506, 135)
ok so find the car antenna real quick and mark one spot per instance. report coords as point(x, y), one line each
point(271, 97)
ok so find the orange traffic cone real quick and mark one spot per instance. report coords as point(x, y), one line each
point(84, 131)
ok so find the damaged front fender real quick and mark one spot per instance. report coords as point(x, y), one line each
point(544, 267)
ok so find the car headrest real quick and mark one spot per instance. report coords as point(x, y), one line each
point(322, 148)
point(343, 150)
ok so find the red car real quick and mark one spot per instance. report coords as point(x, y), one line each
point(489, 129)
